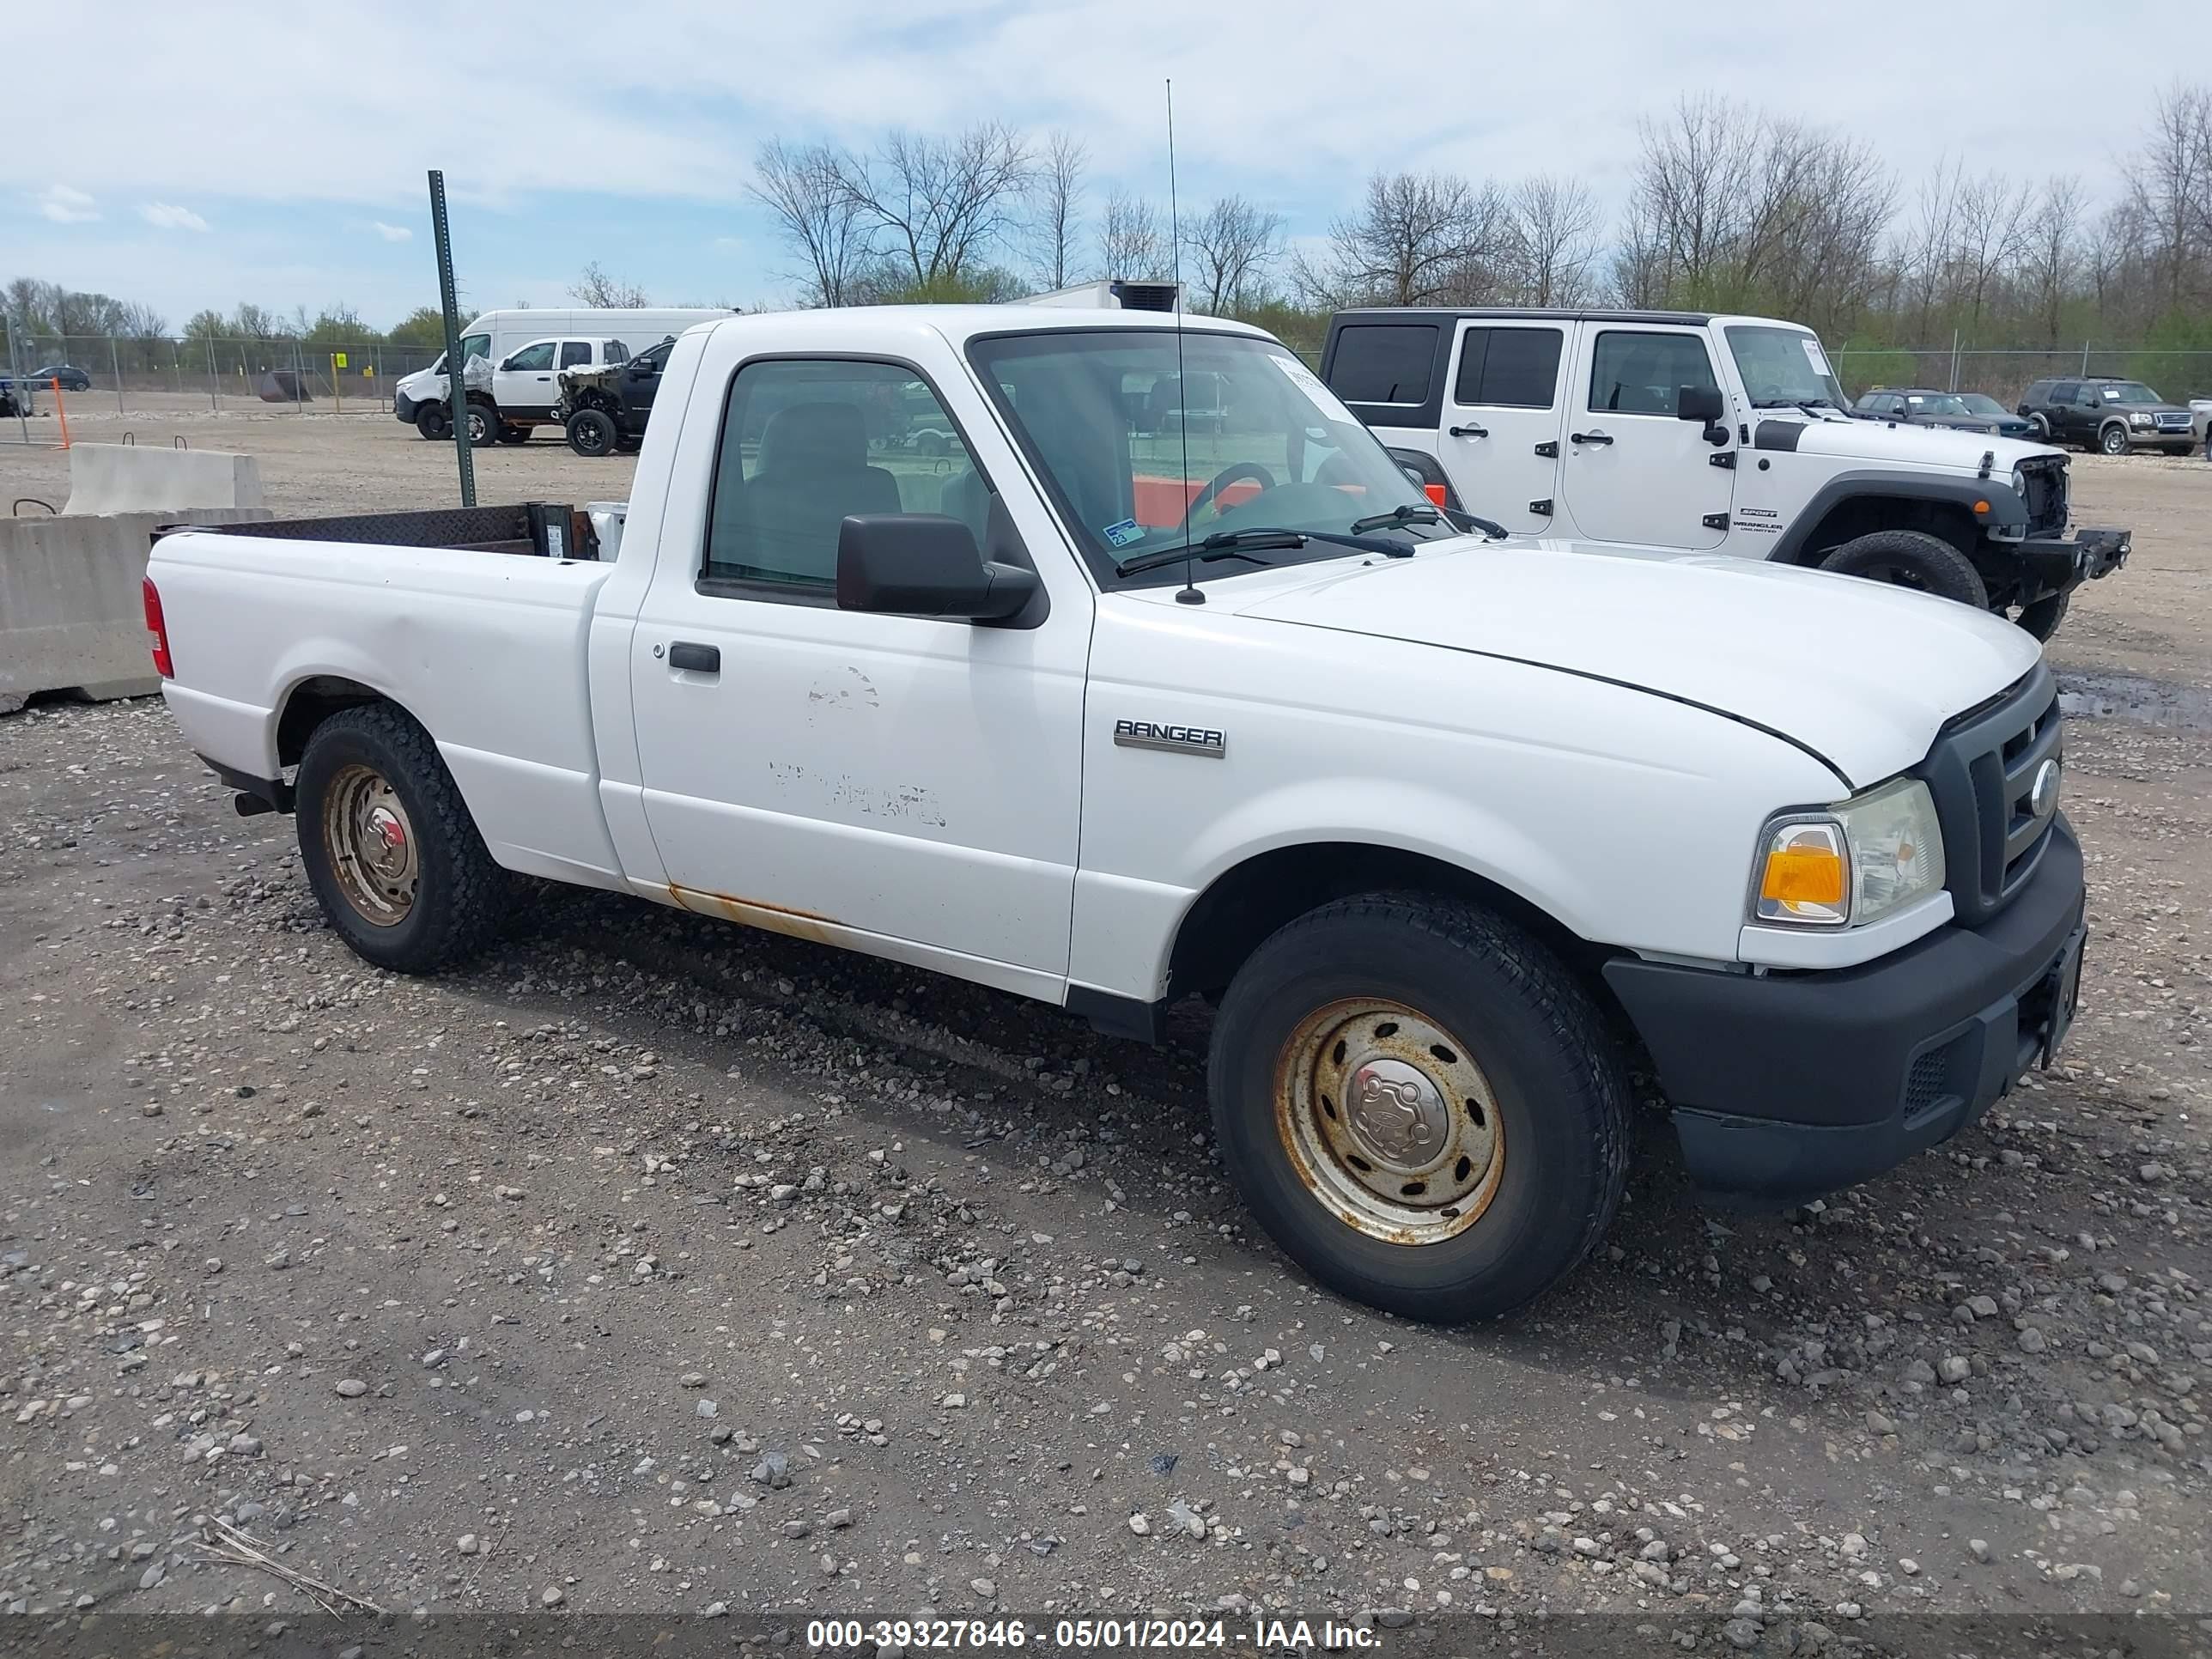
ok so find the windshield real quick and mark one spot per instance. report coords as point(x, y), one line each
point(1783, 367)
point(2126, 391)
point(1143, 450)
point(1938, 403)
point(1980, 403)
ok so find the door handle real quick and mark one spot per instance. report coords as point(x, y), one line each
point(695, 658)
point(1470, 431)
point(1590, 438)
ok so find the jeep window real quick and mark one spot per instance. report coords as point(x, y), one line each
point(1509, 367)
point(1980, 403)
point(1384, 363)
point(1783, 367)
point(576, 353)
point(1634, 373)
point(1284, 453)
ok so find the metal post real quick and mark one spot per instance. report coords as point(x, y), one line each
point(2085, 360)
point(1955, 361)
point(455, 382)
point(22, 392)
point(215, 384)
point(299, 380)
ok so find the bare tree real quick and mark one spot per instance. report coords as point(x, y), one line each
point(1057, 213)
point(1554, 223)
point(1992, 217)
point(595, 288)
point(1129, 240)
point(803, 188)
point(940, 205)
point(2053, 250)
point(1417, 238)
point(1233, 243)
point(1692, 184)
point(2172, 192)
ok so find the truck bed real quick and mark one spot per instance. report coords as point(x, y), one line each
point(536, 529)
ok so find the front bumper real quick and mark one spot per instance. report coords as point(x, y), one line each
point(2059, 562)
point(1787, 1086)
point(404, 407)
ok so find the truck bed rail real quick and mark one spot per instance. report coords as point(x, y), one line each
point(540, 529)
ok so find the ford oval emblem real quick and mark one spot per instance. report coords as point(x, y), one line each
point(2043, 794)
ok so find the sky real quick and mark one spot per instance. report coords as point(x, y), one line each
point(218, 152)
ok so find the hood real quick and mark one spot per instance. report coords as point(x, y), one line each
point(1901, 443)
point(1862, 674)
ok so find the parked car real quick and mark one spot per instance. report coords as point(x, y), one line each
point(529, 349)
point(2112, 416)
point(1709, 435)
point(2200, 420)
point(1962, 412)
point(72, 377)
point(603, 411)
point(1441, 821)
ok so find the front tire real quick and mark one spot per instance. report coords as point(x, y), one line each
point(394, 856)
point(510, 434)
point(2113, 441)
point(2041, 618)
point(1420, 1105)
point(1914, 559)
point(432, 422)
point(591, 431)
point(483, 426)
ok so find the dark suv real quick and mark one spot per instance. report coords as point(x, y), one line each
point(1962, 411)
point(2112, 416)
point(604, 410)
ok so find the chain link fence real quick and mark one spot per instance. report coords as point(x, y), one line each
point(2005, 372)
point(107, 373)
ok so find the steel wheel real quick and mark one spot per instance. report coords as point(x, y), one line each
point(371, 845)
point(1391, 1126)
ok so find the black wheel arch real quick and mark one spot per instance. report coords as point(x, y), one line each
point(1851, 504)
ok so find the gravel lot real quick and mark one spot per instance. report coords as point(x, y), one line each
point(659, 1268)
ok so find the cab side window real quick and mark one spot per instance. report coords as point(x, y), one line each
point(532, 357)
point(807, 444)
point(1509, 367)
point(1634, 373)
point(576, 353)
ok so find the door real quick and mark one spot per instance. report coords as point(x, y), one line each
point(522, 383)
point(1629, 470)
point(817, 770)
point(1501, 413)
point(2065, 413)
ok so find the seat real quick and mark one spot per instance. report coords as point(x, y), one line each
point(811, 472)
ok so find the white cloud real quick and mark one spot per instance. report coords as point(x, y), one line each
point(168, 216)
point(391, 232)
point(66, 206)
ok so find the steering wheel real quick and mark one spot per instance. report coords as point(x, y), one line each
point(1769, 393)
point(1221, 480)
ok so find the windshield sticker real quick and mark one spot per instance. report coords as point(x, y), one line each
point(1316, 394)
point(1813, 354)
point(1122, 534)
point(2113, 394)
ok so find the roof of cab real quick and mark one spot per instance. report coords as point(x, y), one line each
point(960, 324)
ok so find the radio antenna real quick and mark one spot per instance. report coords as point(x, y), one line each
point(1188, 593)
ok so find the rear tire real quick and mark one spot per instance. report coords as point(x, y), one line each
point(2042, 617)
point(2113, 439)
point(431, 422)
point(1914, 559)
point(483, 426)
point(394, 856)
point(1453, 1179)
point(591, 431)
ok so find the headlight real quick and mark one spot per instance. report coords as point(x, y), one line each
point(2020, 482)
point(1853, 864)
point(2140, 419)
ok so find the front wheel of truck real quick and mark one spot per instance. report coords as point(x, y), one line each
point(1420, 1105)
point(394, 856)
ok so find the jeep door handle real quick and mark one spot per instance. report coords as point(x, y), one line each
point(1590, 438)
point(1470, 431)
point(695, 658)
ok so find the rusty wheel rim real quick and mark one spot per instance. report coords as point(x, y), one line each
point(371, 844)
point(1390, 1123)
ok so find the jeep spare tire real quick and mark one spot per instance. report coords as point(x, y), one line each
point(1911, 558)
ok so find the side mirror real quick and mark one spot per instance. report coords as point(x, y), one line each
point(925, 564)
point(1701, 403)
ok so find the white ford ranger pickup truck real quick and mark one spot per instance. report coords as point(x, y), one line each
point(1080, 702)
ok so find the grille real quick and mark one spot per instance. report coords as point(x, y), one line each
point(2046, 477)
point(2173, 424)
point(1981, 773)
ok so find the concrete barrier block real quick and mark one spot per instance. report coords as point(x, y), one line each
point(107, 478)
point(72, 617)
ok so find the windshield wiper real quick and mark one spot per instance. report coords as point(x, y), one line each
point(1241, 543)
point(1413, 513)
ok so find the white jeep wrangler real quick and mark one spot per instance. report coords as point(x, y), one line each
point(1712, 434)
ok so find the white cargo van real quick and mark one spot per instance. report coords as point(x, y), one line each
point(527, 349)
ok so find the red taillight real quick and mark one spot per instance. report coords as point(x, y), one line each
point(159, 630)
point(1435, 492)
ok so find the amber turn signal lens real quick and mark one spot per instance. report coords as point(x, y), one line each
point(1802, 875)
